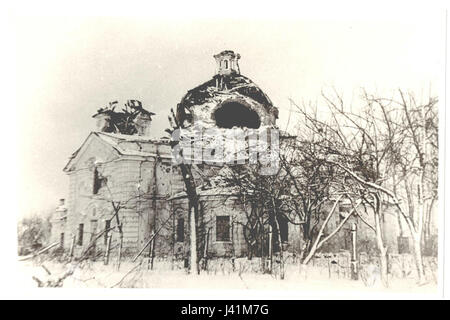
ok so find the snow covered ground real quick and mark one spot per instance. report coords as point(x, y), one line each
point(135, 275)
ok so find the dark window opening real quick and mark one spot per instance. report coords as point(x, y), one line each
point(284, 230)
point(403, 245)
point(99, 181)
point(226, 64)
point(107, 226)
point(180, 230)
point(234, 114)
point(222, 228)
point(347, 241)
point(80, 234)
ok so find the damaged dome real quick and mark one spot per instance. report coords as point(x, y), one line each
point(229, 99)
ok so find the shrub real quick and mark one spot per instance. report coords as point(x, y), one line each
point(33, 233)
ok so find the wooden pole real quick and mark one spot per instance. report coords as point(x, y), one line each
point(152, 252)
point(353, 263)
point(193, 242)
point(150, 240)
point(108, 247)
point(263, 258)
point(205, 252)
point(72, 247)
point(270, 249)
point(150, 248)
point(232, 245)
point(174, 239)
point(94, 249)
point(144, 247)
point(119, 253)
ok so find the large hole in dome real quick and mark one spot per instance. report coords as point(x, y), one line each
point(234, 114)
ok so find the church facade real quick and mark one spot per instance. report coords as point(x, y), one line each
point(135, 176)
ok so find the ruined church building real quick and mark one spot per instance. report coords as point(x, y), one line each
point(136, 173)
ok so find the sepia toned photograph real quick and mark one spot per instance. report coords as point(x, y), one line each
point(294, 153)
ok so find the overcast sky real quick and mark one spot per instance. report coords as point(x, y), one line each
point(69, 67)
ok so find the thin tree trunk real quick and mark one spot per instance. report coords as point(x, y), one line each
point(416, 229)
point(233, 252)
point(270, 248)
point(418, 258)
point(416, 235)
point(107, 249)
point(399, 222)
point(417, 232)
point(119, 253)
point(381, 248)
point(205, 252)
point(152, 251)
point(281, 250)
point(193, 238)
point(263, 259)
point(310, 254)
point(417, 239)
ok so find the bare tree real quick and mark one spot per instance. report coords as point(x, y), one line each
point(298, 193)
point(382, 143)
point(192, 195)
point(412, 129)
point(266, 205)
point(349, 142)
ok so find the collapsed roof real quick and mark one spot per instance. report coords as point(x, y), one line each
point(221, 84)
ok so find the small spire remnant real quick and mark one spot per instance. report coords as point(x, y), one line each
point(227, 62)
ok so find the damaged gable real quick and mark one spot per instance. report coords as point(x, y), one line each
point(109, 146)
point(92, 151)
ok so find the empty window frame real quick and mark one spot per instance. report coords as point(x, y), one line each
point(99, 181)
point(180, 230)
point(223, 228)
point(80, 234)
point(284, 229)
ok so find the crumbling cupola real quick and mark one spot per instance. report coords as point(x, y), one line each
point(228, 100)
point(227, 62)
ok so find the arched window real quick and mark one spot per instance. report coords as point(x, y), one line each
point(234, 114)
point(226, 64)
